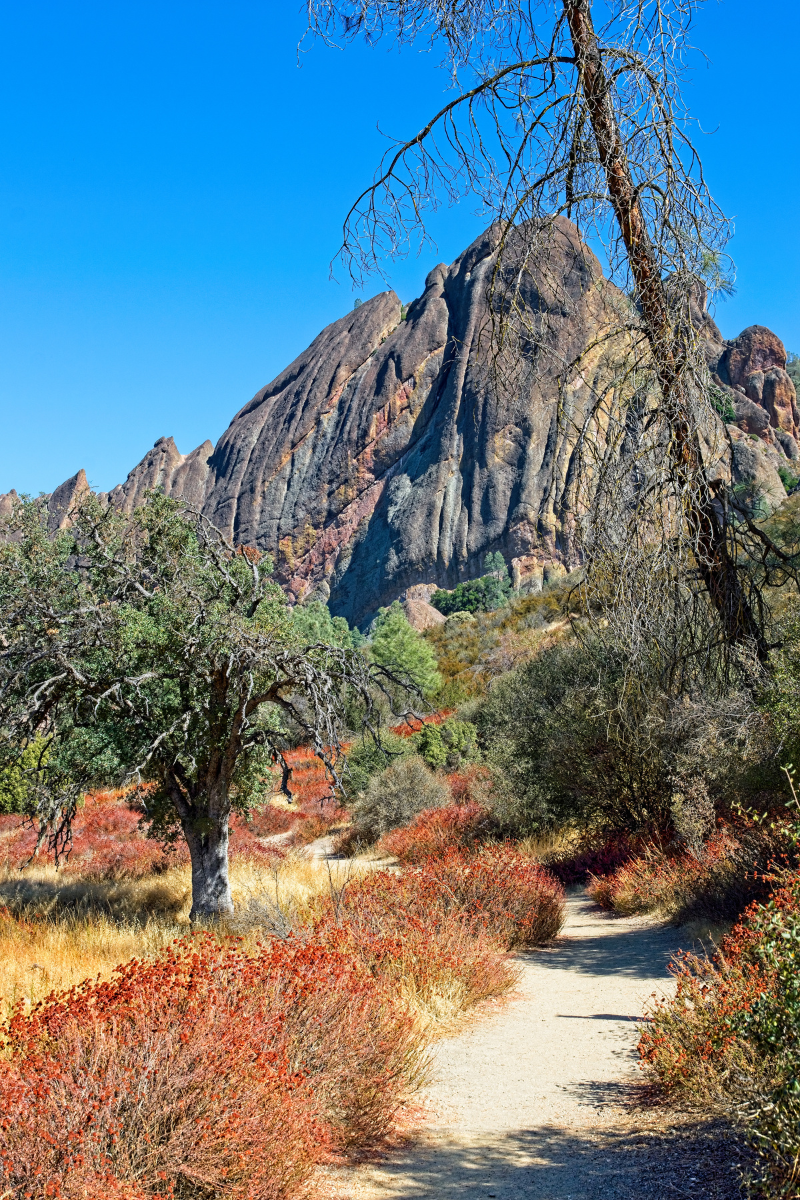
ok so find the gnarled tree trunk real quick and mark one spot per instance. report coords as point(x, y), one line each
point(208, 850)
point(715, 564)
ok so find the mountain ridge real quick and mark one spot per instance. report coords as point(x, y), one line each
point(383, 462)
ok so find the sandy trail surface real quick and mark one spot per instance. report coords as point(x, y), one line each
point(534, 1100)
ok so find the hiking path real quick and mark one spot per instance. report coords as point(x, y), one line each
point(541, 1099)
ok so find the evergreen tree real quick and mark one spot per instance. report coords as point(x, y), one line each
point(400, 648)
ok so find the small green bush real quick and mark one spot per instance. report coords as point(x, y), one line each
point(394, 797)
point(20, 777)
point(450, 745)
point(787, 478)
point(367, 758)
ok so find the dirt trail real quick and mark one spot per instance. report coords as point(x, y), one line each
point(534, 1101)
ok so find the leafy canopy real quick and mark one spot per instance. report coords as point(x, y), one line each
point(486, 594)
point(398, 647)
point(146, 648)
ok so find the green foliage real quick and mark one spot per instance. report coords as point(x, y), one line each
point(401, 649)
point(576, 737)
point(367, 758)
point(22, 776)
point(490, 592)
point(793, 369)
point(431, 746)
point(788, 478)
point(450, 745)
point(313, 622)
point(723, 404)
point(166, 657)
point(393, 798)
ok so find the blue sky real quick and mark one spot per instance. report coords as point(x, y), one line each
point(172, 188)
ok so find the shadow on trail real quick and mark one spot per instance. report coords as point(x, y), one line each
point(684, 1161)
point(615, 948)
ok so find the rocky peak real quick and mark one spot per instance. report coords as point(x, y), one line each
point(384, 462)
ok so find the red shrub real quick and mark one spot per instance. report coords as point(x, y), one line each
point(108, 843)
point(658, 877)
point(414, 724)
point(470, 786)
point(597, 860)
point(496, 891)
point(697, 1027)
point(436, 830)
point(310, 826)
point(207, 1069)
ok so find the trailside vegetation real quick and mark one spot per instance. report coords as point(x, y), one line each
point(144, 648)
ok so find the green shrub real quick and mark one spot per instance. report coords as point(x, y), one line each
point(576, 737)
point(312, 623)
point(486, 594)
point(394, 797)
point(367, 758)
point(20, 777)
point(788, 478)
point(450, 745)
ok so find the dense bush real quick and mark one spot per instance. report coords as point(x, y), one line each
point(730, 1038)
point(392, 798)
point(451, 744)
point(591, 857)
point(713, 885)
point(496, 891)
point(437, 830)
point(367, 758)
point(20, 777)
point(209, 1071)
point(575, 737)
point(486, 594)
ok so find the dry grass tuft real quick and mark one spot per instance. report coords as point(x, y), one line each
point(57, 930)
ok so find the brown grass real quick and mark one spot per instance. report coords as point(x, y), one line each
point(57, 930)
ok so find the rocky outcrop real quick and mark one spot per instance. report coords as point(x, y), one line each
point(421, 615)
point(184, 476)
point(386, 461)
point(399, 465)
point(64, 499)
point(752, 371)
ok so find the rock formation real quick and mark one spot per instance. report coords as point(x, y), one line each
point(383, 463)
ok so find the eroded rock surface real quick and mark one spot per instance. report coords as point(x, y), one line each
point(383, 463)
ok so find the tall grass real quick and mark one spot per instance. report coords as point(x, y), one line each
point(57, 929)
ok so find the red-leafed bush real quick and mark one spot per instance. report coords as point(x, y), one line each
point(310, 826)
point(208, 1071)
point(436, 830)
point(660, 878)
point(414, 725)
point(109, 843)
point(595, 860)
point(495, 891)
point(470, 786)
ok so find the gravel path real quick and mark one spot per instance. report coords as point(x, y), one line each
point(535, 1101)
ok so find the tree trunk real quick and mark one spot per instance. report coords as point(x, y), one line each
point(717, 568)
point(211, 892)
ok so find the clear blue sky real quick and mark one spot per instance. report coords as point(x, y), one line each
point(172, 188)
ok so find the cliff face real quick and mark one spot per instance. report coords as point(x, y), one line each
point(381, 460)
point(384, 462)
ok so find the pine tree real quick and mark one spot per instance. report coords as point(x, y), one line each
point(400, 648)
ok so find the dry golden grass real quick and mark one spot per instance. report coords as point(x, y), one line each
point(551, 845)
point(56, 931)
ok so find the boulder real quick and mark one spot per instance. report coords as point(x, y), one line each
point(421, 615)
point(755, 349)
